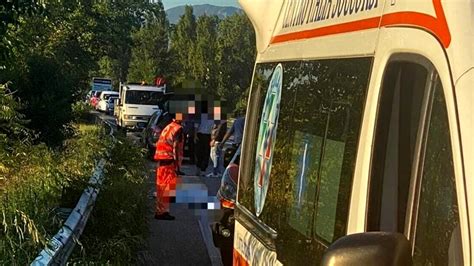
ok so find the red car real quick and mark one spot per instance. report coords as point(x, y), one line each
point(95, 98)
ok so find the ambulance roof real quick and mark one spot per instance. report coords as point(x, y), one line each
point(288, 22)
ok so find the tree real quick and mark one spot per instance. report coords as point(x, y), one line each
point(45, 88)
point(183, 39)
point(55, 48)
point(218, 54)
point(12, 122)
point(150, 47)
point(235, 56)
point(51, 67)
point(12, 12)
point(116, 21)
point(203, 57)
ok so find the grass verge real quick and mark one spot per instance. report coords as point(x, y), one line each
point(117, 228)
point(35, 182)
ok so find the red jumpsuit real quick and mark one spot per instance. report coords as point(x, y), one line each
point(169, 151)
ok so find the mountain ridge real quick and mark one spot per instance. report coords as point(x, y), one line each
point(175, 13)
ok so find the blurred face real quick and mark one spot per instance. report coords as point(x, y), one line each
point(179, 117)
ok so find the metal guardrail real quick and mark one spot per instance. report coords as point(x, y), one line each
point(60, 247)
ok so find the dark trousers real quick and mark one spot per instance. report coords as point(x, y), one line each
point(190, 151)
point(203, 150)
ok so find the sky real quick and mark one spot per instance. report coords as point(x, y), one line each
point(172, 3)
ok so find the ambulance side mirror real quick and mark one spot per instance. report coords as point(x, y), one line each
point(370, 249)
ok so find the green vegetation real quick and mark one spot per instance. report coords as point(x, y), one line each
point(116, 229)
point(220, 54)
point(81, 111)
point(35, 181)
point(49, 51)
point(12, 122)
point(150, 56)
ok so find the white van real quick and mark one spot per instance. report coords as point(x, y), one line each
point(137, 103)
point(359, 136)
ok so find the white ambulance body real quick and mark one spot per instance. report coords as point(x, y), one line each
point(359, 120)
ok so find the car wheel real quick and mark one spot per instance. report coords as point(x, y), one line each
point(122, 128)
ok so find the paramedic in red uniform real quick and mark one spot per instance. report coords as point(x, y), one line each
point(169, 154)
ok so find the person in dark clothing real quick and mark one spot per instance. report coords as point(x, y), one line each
point(237, 131)
point(202, 139)
point(188, 129)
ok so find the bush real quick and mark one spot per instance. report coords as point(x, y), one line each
point(81, 111)
point(46, 89)
point(12, 122)
point(34, 181)
point(117, 227)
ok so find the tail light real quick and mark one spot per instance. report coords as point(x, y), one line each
point(227, 204)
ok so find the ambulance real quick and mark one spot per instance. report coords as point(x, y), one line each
point(359, 140)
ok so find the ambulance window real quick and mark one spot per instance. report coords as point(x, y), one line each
point(261, 79)
point(438, 237)
point(400, 106)
point(316, 176)
point(314, 155)
point(339, 153)
point(412, 186)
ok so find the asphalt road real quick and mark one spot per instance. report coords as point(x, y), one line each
point(188, 239)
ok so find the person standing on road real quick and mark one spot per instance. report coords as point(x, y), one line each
point(202, 139)
point(169, 154)
point(237, 130)
point(217, 135)
point(188, 130)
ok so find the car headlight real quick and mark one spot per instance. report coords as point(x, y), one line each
point(132, 117)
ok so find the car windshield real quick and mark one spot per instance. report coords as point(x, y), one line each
point(107, 96)
point(143, 97)
point(111, 99)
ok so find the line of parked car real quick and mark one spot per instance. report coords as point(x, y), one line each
point(103, 101)
point(135, 107)
point(139, 107)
